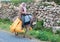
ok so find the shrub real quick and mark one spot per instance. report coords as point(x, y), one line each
point(33, 32)
point(15, 1)
point(39, 34)
point(5, 24)
point(45, 36)
point(57, 1)
point(39, 25)
point(58, 32)
point(54, 38)
point(47, 29)
point(6, 20)
point(42, 36)
point(19, 1)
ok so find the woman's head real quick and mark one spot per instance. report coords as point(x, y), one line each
point(23, 4)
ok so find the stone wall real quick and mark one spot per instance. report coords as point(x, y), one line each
point(8, 11)
point(49, 14)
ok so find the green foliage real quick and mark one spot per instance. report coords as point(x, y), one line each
point(15, 1)
point(39, 25)
point(54, 38)
point(58, 32)
point(5, 24)
point(32, 32)
point(57, 1)
point(5, 21)
point(42, 36)
point(20, 1)
point(45, 36)
point(39, 34)
point(48, 29)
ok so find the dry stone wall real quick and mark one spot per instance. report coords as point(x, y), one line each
point(49, 14)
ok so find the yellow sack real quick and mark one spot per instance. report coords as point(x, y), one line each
point(14, 24)
point(19, 27)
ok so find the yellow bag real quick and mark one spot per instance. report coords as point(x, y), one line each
point(14, 24)
point(12, 29)
point(19, 27)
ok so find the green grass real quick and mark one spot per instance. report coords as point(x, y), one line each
point(45, 35)
point(20, 1)
point(5, 24)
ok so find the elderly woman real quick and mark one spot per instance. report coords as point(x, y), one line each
point(22, 12)
point(26, 18)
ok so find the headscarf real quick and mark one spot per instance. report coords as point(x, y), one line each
point(23, 4)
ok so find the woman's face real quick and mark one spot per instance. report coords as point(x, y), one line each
point(24, 5)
